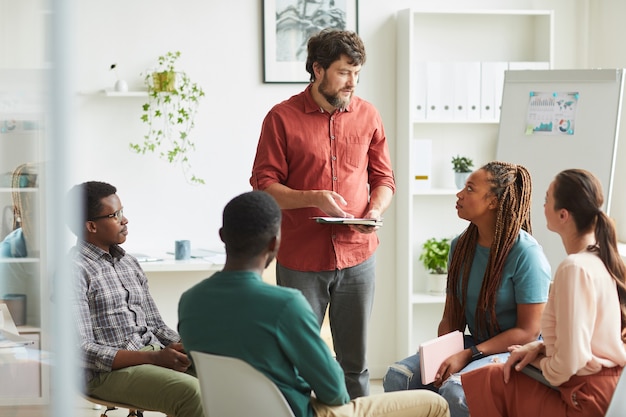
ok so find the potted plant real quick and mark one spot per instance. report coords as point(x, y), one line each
point(434, 257)
point(169, 114)
point(462, 167)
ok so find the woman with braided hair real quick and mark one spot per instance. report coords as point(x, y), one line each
point(498, 280)
point(583, 350)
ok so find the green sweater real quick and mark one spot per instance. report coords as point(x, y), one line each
point(272, 328)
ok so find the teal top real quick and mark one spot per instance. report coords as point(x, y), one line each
point(272, 328)
point(525, 280)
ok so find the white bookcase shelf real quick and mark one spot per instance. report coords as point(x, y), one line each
point(448, 40)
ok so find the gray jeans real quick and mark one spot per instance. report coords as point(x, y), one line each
point(348, 294)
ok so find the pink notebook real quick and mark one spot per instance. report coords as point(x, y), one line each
point(435, 351)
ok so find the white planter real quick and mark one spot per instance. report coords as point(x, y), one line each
point(437, 283)
point(460, 178)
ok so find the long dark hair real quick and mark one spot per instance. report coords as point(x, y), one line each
point(580, 192)
point(511, 184)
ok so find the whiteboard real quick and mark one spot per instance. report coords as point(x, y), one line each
point(590, 143)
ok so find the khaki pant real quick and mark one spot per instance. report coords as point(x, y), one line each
point(150, 387)
point(414, 403)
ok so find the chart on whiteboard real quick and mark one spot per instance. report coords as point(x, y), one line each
point(551, 113)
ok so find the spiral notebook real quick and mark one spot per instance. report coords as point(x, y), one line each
point(435, 351)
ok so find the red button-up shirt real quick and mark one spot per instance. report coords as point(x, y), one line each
point(305, 148)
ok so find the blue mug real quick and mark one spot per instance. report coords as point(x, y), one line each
point(182, 250)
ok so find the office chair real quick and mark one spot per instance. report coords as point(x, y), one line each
point(133, 411)
point(231, 387)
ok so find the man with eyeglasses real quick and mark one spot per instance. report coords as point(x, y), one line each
point(129, 355)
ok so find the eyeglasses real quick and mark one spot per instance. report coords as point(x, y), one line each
point(118, 215)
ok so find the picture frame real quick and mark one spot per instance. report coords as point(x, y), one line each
point(288, 24)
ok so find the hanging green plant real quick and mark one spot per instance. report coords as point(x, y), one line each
point(169, 114)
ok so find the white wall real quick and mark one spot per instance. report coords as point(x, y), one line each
point(221, 45)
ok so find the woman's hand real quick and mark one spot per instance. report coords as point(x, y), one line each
point(522, 356)
point(451, 365)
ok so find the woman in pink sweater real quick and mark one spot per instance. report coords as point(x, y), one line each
point(583, 325)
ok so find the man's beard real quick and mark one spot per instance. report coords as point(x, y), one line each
point(333, 99)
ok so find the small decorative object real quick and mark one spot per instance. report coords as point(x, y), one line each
point(462, 167)
point(120, 85)
point(169, 114)
point(434, 257)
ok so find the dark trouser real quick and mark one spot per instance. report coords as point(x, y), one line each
point(349, 295)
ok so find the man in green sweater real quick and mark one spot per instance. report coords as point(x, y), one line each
point(234, 313)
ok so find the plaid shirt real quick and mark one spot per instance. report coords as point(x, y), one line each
point(114, 307)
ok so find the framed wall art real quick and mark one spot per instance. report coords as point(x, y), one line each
point(288, 24)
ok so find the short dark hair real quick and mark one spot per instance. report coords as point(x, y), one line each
point(328, 45)
point(88, 196)
point(249, 222)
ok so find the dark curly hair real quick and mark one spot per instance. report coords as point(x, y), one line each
point(328, 45)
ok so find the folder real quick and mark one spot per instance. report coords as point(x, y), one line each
point(419, 92)
point(434, 105)
point(473, 90)
point(435, 351)
point(501, 68)
point(488, 91)
point(421, 161)
point(460, 90)
point(446, 90)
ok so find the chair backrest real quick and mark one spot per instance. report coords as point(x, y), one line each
point(617, 407)
point(231, 387)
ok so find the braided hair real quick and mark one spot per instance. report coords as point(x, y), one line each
point(580, 192)
point(511, 185)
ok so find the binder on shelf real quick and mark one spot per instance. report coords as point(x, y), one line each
point(487, 90)
point(473, 91)
point(446, 90)
point(461, 90)
point(420, 169)
point(434, 105)
point(435, 351)
point(500, 69)
point(419, 93)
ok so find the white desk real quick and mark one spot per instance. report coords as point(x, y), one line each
point(168, 279)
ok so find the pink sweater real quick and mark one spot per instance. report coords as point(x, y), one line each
point(581, 324)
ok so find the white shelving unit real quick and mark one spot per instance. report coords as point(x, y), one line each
point(23, 143)
point(447, 37)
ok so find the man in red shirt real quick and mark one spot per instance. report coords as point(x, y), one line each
point(323, 152)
